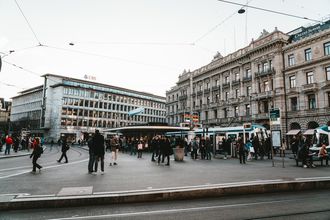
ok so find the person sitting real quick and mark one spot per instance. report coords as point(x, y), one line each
point(306, 156)
point(323, 153)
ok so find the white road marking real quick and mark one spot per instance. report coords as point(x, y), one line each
point(44, 168)
point(170, 210)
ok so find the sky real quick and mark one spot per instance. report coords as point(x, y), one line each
point(142, 45)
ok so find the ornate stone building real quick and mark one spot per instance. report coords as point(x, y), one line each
point(245, 85)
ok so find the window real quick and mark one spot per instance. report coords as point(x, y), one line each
point(259, 68)
point(216, 83)
point(248, 90)
point(200, 103)
point(265, 67)
point(206, 115)
point(270, 64)
point(207, 85)
point(308, 54)
point(292, 81)
point(247, 110)
point(310, 77)
point(236, 111)
point(327, 71)
point(236, 76)
point(208, 100)
point(311, 101)
point(237, 93)
point(226, 96)
point(248, 73)
point(327, 49)
point(291, 60)
point(215, 113)
point(225, 112)
point(294, 104)
point(328, 99)
point(227, 79)
point(266, 86)
point(217, 98)
point(200, 87)
point(265, 104)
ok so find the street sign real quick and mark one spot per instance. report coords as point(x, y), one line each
point(275, 116)
point(274, 113)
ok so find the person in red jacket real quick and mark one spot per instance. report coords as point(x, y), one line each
point(9, 143)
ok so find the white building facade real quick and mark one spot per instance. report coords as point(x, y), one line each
point(75, 108)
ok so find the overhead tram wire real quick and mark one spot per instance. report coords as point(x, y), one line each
point(27, 21)
point(217, 25)
point(268, 10)
point(109, 57)
point(135, 43)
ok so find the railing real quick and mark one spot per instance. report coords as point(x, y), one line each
point(236, 82)
point(309, 87)
point(215, 88)
point(265, 72)
point(225, 85)
point(183, 97)
point(247, 78)
point(206, 91)
point(199, 93)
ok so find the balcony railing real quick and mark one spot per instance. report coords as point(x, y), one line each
point(200, 93)
point(183, 97)
point(225, 85)
point(215, 88)
point(247, 78)
point(266, 95)
point(236, 82)
point(265, 72)
point(309, 87)
point(206, 91)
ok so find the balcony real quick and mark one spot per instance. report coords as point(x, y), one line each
point(293, 90)
point(266, 95)
point(265, 73)
point(261, 116)
point(215, 88)
point(317, 112)
point(199, 93)
point(312, 87)
point(225, 85)
point(234, 100)
point(235, 82)
point(183, 97)
point(247, 78)
point(206, 91)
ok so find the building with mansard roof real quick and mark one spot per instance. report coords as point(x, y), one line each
point(286, 71)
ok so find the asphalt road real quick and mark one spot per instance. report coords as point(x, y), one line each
point(300, 206)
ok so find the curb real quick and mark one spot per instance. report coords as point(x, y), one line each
point(180, 193)
point(11, 156)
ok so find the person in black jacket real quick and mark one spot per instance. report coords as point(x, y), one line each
point(65, 148)
point(37, 151)
point(91, 160)
point(99, 151)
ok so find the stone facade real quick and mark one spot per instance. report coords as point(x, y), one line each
point(245, 85)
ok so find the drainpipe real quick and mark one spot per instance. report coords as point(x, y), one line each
point(285, 93)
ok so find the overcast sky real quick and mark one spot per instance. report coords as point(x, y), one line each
point(137, 44)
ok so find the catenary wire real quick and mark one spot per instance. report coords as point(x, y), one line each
point(27, 21)
point(268, 10)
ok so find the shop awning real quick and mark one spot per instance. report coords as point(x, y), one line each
point(309, 132)
point(293, 132)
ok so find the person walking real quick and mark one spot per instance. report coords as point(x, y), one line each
point(202, 148)
point(9, 143)
point(140, 147)
point(91, 152)
point(114, 146)
point(98, 144)
point(167, 150)
point(155, 146)
point(65, 148)
point(37, 151)
point(208, 148)
point(194, 148)
point(241, 150)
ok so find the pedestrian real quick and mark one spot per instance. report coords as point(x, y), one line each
point(91, 151)
point(99, 150)
point(65, 148)
point(155, 146)
point(114, 146)
point(323, 154)
point(9, 143)
point(167, 150)
point(241, 150)
point(208, 148)
point(37, 151)
point(202, 148)
point(194, 148)
point(140, 147)
point(283, 148)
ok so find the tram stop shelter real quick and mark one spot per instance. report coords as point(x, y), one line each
point(142, 131)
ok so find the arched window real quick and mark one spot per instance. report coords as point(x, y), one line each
point(312, 125)
point(295, 126)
